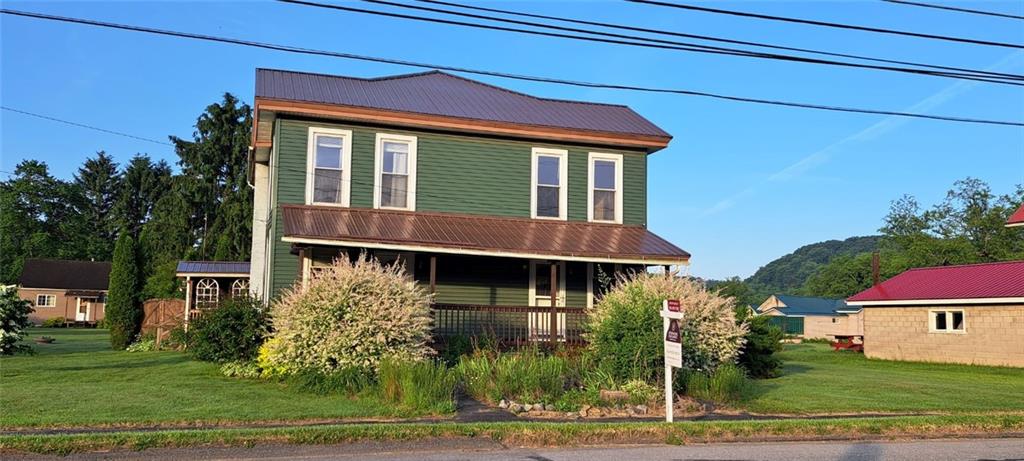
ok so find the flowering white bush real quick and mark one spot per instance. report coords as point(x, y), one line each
point(624, 327)
point(349, 315)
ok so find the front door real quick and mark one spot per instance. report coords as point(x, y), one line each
point(540, 296)
point(82, 313)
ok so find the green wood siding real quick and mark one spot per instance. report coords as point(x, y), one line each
point(457, 174)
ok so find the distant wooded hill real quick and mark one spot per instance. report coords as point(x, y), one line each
point(788, 273)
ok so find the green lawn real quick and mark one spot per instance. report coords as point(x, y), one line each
point(817, 380)
point(79, 380)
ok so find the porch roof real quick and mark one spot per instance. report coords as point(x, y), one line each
point(479, 235)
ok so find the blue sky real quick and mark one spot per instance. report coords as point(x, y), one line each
point(740, 184)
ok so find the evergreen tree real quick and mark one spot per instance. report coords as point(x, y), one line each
point(98, 181)
point(217, 159)
point(123, 313)
point(166, 238)
point(142, 184)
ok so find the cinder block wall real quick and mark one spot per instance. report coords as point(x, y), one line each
point(993, 335)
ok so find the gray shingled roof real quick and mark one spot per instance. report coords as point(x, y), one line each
point(213, 267)
point(443, 94)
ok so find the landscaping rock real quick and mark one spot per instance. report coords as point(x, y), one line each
point(527, 407)
point(613, 396)
point(585, 411)
point(515, 408)
point(549, 407)
point(503, 404)
point(641, 409)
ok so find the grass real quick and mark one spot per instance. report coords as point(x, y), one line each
point(532, 434)
point(817, 380)
point(79, 381)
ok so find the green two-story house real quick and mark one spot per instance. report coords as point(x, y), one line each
point(513, 209)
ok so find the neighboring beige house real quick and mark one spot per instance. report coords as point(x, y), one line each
point(73, 290)
point(814, 318)
point(971, 314)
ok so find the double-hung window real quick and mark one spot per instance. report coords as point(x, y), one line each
point(604, 198)
point(395, 165)
point(549, 177)
point(946, 321)
point(46, 301)
point(329, 167)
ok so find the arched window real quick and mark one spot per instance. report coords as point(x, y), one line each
point(207, 293)
point(240, 288)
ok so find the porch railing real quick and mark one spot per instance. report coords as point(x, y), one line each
point(509, 325)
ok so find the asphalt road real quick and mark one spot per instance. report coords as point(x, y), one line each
point(468, 449)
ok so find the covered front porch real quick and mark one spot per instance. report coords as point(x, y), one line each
point(510, 280)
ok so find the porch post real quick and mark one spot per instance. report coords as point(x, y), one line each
point(553, 332)
point(433, 274)
point(188, 300)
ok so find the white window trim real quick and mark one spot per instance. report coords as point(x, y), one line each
point(378, 166)
point(949, 321)
point(346, 164)
point(563, 181)
point(48, 296)
point(619, 186)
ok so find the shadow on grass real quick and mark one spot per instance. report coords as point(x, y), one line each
point(140, 362)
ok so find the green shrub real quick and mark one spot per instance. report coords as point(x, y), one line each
point(763, 340)
point(727, 384)
point(231, 332)
point(526, 376)
point(350, 315)
point(624, 328)
point(13, 322)
point(142, 345)
point(641, 391)
point(122, 310)
point(54, 322)
point(240, 369)
point(418, 387)
point(343, 381)
point(456, 347)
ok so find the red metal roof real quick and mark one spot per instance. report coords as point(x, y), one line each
point(442, 94)
point(455, 233)
point(972, 281)
point(1017, 218)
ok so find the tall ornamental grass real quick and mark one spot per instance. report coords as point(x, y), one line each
point(424, 387)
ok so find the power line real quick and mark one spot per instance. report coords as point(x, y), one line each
point(830, 24)
point(953, 8)
point(551, 80)
point(82, 125)
point(710, 38)
point(646, 42)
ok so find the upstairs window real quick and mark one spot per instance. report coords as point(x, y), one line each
point(604, 201)
point(329, 167)
point(395, 182)
point(549, 177)
point(947, 321)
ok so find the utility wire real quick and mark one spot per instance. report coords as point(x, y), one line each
point(82, 125)
point(953, 8)
point(830, 24)
point(712, 38)
point(647, 43)
point(612, 86)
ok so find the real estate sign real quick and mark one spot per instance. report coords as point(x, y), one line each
point(671, 314)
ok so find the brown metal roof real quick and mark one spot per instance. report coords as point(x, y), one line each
point(456, 233)
point(441, 94)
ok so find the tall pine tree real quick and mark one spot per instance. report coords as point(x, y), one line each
point(98, 181)
point(217, 159)
point(142, 184)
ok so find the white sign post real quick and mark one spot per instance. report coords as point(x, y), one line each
point(671, 314)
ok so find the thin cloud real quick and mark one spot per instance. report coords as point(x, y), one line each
point(886, 125)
